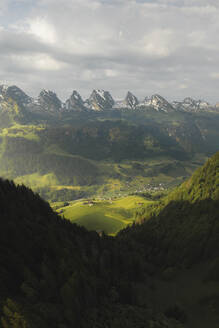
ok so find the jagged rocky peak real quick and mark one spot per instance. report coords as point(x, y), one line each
point(15, 93)
point(189, 101)
point(201, 104)
point(48, 100)
point(75, 102)
point(191, 105)
point(100, 100)
point(3, 88)
point(131, 100)
point(158, 103)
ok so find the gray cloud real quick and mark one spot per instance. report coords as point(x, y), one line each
point(142, 46)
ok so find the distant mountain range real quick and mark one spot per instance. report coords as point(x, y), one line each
point(99, 100)
point(101, 145)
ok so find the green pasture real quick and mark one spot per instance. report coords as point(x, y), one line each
point(109, 216)
point(22, 131)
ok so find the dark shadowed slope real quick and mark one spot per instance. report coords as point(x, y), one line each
point(186, 222)
point(162, 273)
point(55, 274)
point(43, 259)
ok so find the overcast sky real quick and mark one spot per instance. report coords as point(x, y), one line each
point(170, 47)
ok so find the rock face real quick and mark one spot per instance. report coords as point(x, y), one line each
point(191, 105)
point(49, 101)
point(131, 101)
point(158, 103)
point(187, 134)
point(14, 93)
point(75, 102)
point(100, 100)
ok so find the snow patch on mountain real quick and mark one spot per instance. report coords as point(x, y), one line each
point(157, 103)
point(131, 100)
point(14, 93)
point(75, 102)
point(192, 105)
point(48, 101)
point(100, 100)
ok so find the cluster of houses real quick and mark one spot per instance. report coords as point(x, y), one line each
point(146, 188)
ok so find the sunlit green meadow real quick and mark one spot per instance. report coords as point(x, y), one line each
point(109, 216)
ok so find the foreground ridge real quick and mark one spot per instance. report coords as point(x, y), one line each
point(54, 270)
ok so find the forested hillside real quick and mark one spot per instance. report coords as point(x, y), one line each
point(89, 150)
point(54, 273)
point(161, 273)
point(185, 223)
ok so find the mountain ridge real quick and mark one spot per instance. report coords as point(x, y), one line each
point(100, 100)
point(192, 205)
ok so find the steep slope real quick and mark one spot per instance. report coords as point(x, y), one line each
point(48, 101)
point(188, 134)
point(186, 221)
point(42, 260)
point(26, 154)
point(204, 184)
point(180, 236)
point(158, 103)
point(75, 102)
point(100, 100)
point(115, 140)
point(131, 100)
point(54, 273)
point(13, 103)
point(162, 273)
point(83, 160)
point(16, 94)
point(192, 105)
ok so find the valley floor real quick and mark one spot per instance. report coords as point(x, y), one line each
point(108, 215)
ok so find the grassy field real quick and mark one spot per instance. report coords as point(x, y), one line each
point(38, 160)
point(109, 216)
point(114, 181)
point(37, 180)
point(22, 131)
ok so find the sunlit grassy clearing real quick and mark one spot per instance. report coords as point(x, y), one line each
point(108, 216)
point(22, 131)
point(36, 180)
